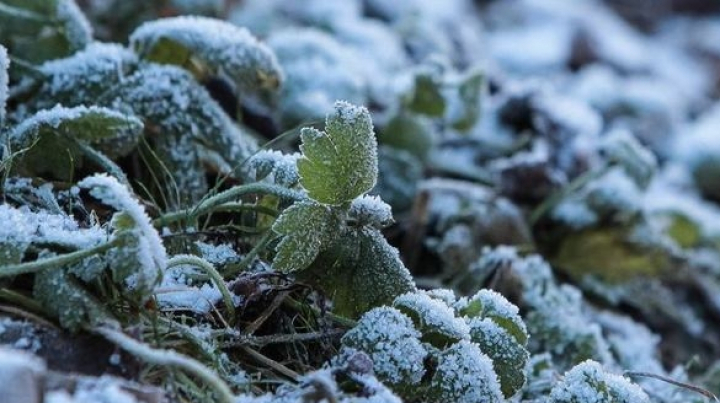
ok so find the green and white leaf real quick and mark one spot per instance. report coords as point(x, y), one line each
point(340, 163)
point(220, 47)
point(308, 228)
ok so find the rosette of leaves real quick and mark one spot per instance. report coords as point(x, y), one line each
point(39, 30)
point(333, 238)
point(588, 382)
point(497, 328)
point(54, 141)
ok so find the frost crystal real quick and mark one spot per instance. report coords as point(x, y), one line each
point(276, 166)
point(86, 74)
point(232, 50)
point(392, 342)
point(435, 320)
point(371, 210)
point(148, 247)
point(589, 383)
point(465, 375)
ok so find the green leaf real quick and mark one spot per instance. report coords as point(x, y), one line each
point(427, 99)
point(211, 47)
point(63, 297)
point(469, 93)
point(340, 163)
point(359, 271)
point(39, 30)
point(307, 227)
point(410, 132)
point(52, 135)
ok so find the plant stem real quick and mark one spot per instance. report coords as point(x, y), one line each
point(168, 358)
point(212, 273)
point(340, 320)
point(56, 261)
point(229, 195)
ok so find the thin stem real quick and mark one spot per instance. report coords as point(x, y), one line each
point(259, 357)
point(56, 261)
point(212, 273)
point(671, 381)
point(261, 341)
point(168, 358)
point(229, 195)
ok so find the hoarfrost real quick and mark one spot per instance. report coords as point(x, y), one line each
point(465, 375)
point(371, 210)
point(392, 342)
point(177, 291)
point(589, 383)
point(150, 251)
point(276, 167)
point(433, 318)
point(4, 80)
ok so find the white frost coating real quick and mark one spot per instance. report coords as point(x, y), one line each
point(177, 291)
point(588, 382)
point(217, 254)
point(371, 210)
point(77, 28)
point(275, 167)
point(442, 294)
point(231, 49)
point(4, 80)
point(700, 142)
point(465, 375)
point(531, 48)
point(94, 66)
point(102, 390)
point(150, 249)
point(392, 342)
point(573, 114)
point(433, 315)
point(574, 214)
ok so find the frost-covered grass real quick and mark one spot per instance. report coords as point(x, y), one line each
point(359, 201)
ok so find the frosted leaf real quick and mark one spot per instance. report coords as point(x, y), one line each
point(187, 121)
point(307, 228)
point(340, 163)
point(371, 210)
point(56, 27)
point(433, 318)
point(276, 167)
point(25, 227)
point(16, 234)
point(508, 355)
point(492, 305)
point(226, 49)
point(360, 271)
point(443, 294)
point(142, 257)
point(64, 298)
point(624, 149)
point(52, 131)
point(589, 383)
point(4, 80)
point(85, 75)
point(465, 375)
point(392, 342)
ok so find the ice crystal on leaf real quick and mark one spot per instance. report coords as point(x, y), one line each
point(435, 320)
point(53, 134)
point(141, 257)
point(492, 305)
point(465, 375)
point(589, 383)
point(86, 75)
point(371, 210)
point(307, 227)
point(392, 342)
point(223, 48)
point(340, 163)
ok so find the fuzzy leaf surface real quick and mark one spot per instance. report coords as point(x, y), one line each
point(340, 163)
point(307, 227)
